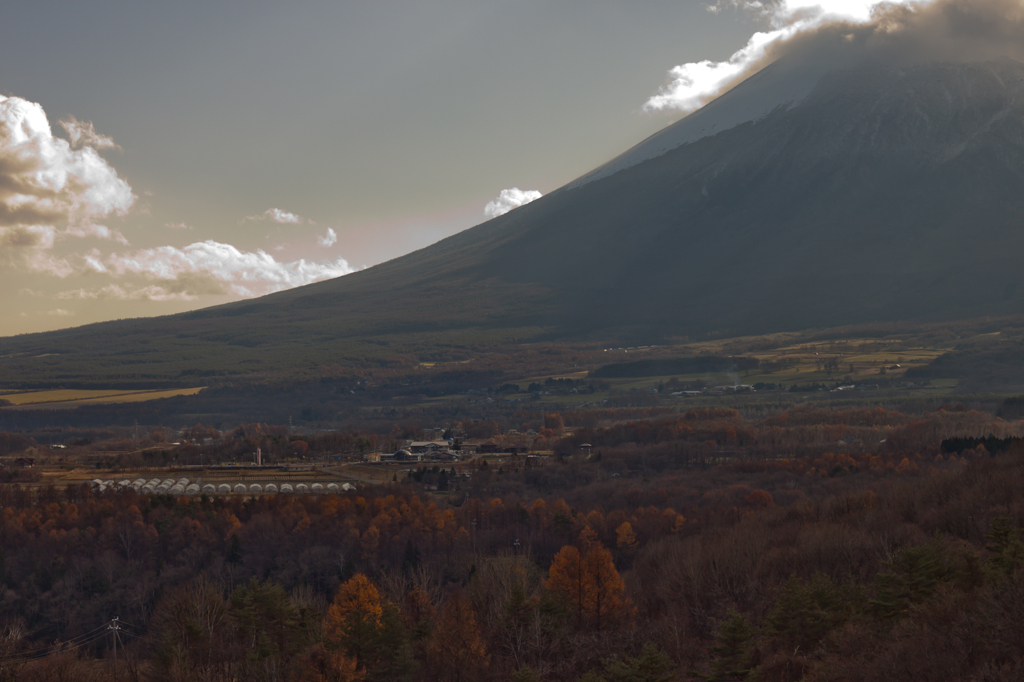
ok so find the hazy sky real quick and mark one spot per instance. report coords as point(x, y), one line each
point(240, 148)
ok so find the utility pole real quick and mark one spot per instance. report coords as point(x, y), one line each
point(114, 627)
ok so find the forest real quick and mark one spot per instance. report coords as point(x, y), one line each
point(812, 544)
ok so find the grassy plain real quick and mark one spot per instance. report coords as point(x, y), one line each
point(453, 383)
point(859, 360)
point(77, 397)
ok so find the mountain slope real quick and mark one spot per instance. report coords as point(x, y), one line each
point(874, 193)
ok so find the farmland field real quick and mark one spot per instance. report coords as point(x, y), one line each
point(87, 397)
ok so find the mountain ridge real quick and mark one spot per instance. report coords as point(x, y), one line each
point(884, 193)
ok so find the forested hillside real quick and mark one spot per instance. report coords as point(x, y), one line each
point(900, 559)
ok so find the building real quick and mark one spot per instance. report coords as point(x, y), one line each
point(428, 447)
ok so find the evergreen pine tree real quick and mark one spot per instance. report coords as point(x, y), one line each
point(1004, 541)
point(731, 650)
point(911, 577)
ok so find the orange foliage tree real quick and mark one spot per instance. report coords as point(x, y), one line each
point(586, 577)
point(625, 538)
point(368, 630)
point(353, 618)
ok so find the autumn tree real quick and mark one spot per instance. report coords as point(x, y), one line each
point(128, 531)
point(368, 630)
point(625, 538)
point(587, 579)
point(554, 422)
point(567, 578)
point(418, 611)
point(353, 618)
point(457, 652)
point(759, 499)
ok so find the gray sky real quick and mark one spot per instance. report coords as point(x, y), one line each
point(392, 123)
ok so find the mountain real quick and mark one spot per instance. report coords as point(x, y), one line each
point(805, 197)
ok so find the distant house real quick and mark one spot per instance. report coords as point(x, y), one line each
point(25, 462)
point(428, 447)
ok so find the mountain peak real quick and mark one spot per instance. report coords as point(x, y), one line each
point(805, 197)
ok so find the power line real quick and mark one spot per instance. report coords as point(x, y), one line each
point(39, 654)
point(77, 642)
point(61, 646)
point(123, 623)
point(73, 640)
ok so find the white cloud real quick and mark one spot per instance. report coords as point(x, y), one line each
point(279, 216)
point(177, 226)
point(694, 84)
point(329, 239)
point(97, 232)
point(82, 133)
point(508, 200)
point(59, 312)
point(76, 264)
point(202, 268)
point(45, 184)
point(211, 267)
point(48, 264)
